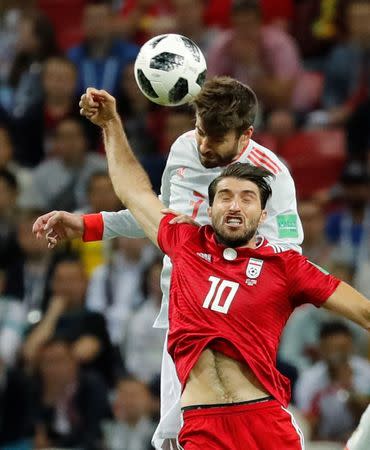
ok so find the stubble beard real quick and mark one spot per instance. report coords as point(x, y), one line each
point(238, 241)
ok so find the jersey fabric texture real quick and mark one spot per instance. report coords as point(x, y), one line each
point(185, 189)
point(360, 439)
point(238, 307)
point(256, 426)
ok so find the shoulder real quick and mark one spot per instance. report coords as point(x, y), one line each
point(183, 148)
point(262, 156)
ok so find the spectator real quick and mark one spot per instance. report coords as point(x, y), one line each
point(347, 78)
point(315, 246)
point(12, 325)
point(26, 274)
point(132, 427)
point(101, 197)
point(317, 28)
point(139, 113)
point(16, 426)
point(61, 181)
point(265, 57)
point(114, 288)
point(334, 392)
point(188, 17)
point(348, 228)
point(100, 59)
point(143, 344)
point(139, 20)
point(33, 130)
point(176, 122)
point(36, 43)
point(22, 174)
point(69, 405)
point(67, 317)
point(8, 201)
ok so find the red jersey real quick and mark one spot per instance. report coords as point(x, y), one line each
point(235, 301)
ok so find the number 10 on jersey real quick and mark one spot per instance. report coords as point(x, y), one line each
point(214, 296)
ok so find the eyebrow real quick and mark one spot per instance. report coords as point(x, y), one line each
point(245, 191)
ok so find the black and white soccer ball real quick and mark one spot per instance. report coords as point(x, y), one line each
point(170, 69)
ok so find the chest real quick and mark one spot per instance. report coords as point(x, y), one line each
point(248, 287)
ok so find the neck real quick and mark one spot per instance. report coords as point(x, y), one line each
point(241, 147)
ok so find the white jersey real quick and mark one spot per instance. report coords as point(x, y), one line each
point(185, 189)
point(360, 439)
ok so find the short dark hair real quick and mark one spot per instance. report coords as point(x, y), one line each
point(9, 179)
point(244, 171)
point(333, 328)
point(225, 104)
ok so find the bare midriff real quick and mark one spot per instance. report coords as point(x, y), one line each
point(218, 379)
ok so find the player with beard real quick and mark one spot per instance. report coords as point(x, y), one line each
point(225, 111)
point(231, 294)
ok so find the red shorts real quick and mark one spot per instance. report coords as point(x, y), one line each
point(263, 425)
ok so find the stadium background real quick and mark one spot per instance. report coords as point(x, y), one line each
point(95, 383)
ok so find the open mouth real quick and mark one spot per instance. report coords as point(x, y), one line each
point(234, 221)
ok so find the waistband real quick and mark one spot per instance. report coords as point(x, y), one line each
point(225, 408)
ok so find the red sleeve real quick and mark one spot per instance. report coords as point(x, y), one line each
point(172, 236)
point(307, 282)
point(93, 227)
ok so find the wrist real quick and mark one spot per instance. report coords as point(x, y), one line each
point(111, 123)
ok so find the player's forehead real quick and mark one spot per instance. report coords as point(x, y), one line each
point(202, 129)
point(237, 186)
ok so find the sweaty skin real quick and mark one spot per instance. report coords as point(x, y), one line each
point(217, 379)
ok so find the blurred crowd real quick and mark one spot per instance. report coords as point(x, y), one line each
point(79, 360)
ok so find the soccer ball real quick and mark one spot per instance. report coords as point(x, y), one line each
point(170, 69)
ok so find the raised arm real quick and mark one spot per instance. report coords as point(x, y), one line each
point(349, 303)
point(130, 181)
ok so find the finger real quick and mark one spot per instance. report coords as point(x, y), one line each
point(53, 220)
point(177, 219)
point(40, 222)
point(170, 211)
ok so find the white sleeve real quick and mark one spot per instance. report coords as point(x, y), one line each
point(283, 225)
point(122, 223)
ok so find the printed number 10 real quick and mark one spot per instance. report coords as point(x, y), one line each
point(215, 292)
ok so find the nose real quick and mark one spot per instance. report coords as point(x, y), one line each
point(234, 205)
point(204, 146)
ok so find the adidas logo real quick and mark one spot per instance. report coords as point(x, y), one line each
point(205, 256)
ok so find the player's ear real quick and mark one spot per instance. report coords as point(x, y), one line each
point(247, 134)
point(263, 217)
point(209, 211)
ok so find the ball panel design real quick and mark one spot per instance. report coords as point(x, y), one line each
point(201, 78)
point(178, 92)
point(166, 61)
point(194, 49)
point(145, 85)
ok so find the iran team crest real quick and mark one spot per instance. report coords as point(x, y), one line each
point(253, 271)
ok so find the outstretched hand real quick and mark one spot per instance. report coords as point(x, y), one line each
point(57, 226)
point(98, 106)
